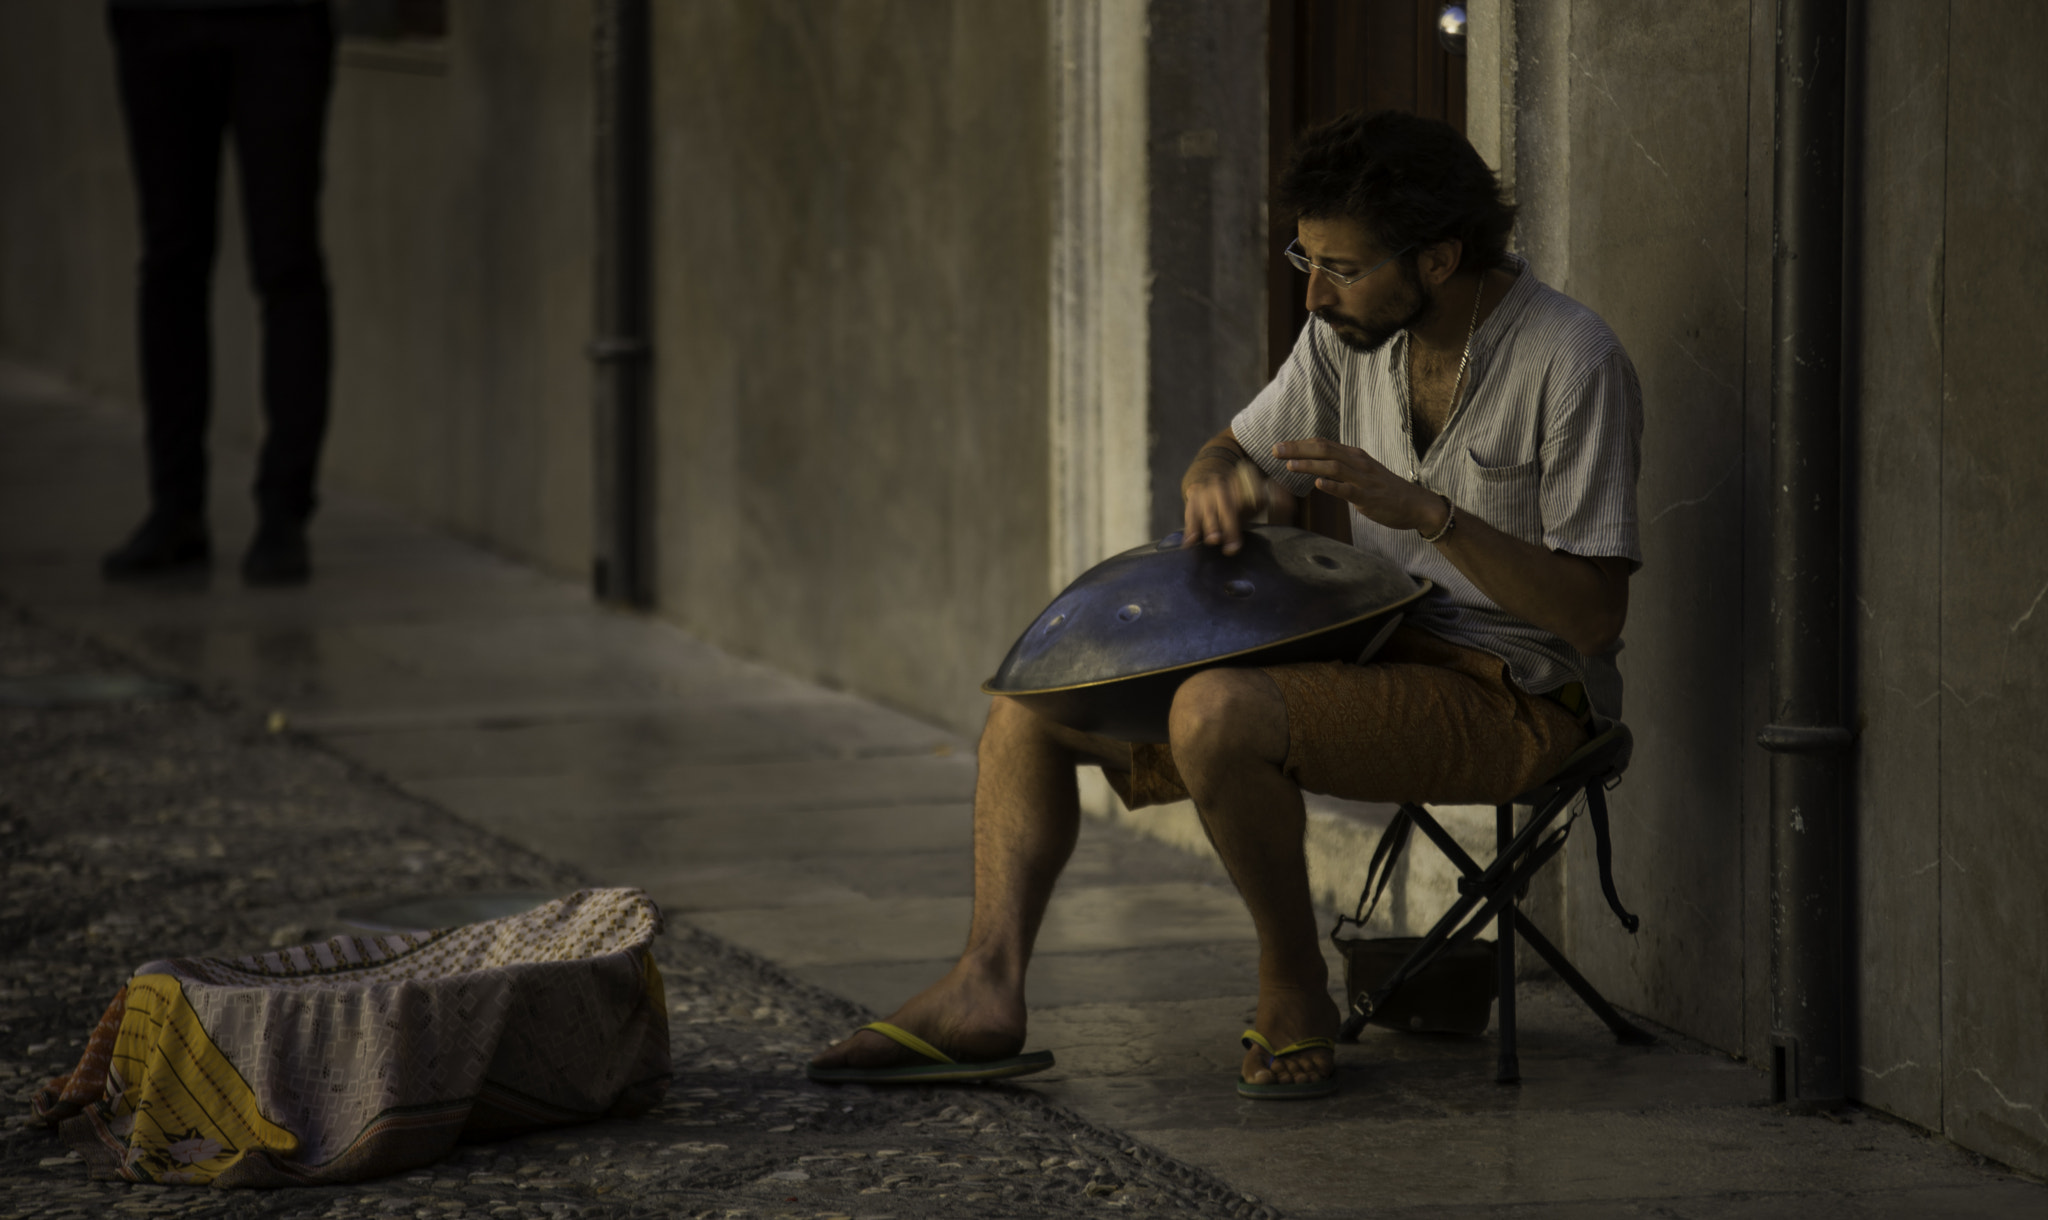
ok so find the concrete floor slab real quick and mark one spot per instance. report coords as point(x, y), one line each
point(723, 732)
point(889, 930)
point(929, 929)
point(1091, 919)
point(1182, 1040)
point(877, 868)
point(621, 651)
point(1118, 976)
point(420, 583)
point(1568, 1059)
point(487, 712)
point(1988, 1200)
point(611, 844)
point(1710, 1157)
point(340, 670)
point(925, 872)
point(1106, 856)
point(681, 890)
point(727, 788)
point(1430, 1077)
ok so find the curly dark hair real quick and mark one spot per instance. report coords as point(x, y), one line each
point(1410, 181)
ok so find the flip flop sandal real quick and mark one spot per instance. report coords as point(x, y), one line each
point(1286, 1092)
point(942, 1069)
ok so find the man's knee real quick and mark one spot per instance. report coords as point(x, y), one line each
point(1228, 712)
point(1014, 723)
point(1009, 718)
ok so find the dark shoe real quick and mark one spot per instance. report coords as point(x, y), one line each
point(277, 556)
point(161, 546)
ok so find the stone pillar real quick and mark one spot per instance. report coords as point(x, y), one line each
point(1099, 481)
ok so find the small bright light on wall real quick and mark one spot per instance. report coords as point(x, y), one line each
point(1450, 28)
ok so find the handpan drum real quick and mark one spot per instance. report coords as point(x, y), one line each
point(1110, 651)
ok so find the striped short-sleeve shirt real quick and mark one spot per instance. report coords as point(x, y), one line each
point(1545, 445)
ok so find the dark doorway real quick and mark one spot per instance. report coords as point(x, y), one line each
point(1324, 58)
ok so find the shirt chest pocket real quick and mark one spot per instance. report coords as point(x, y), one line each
point(1508, 497)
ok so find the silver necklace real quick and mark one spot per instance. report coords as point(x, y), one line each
point(1464, 358)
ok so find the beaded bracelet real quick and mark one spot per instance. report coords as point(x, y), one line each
point(1450, 519)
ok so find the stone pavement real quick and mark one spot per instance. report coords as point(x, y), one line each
point(145, 827)
point(830, 837)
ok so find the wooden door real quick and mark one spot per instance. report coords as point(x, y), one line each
point(1326, 58)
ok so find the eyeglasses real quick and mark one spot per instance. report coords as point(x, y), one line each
point(1308, 266)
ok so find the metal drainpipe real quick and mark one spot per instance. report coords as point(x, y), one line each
point(1809, 976)
point(621, 570)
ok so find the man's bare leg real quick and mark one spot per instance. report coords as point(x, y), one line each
point(1229, 733)
point(1027, 813)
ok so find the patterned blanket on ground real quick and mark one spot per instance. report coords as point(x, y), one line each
point(362, 1057)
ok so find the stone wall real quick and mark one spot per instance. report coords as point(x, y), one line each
point(460, 207)
point(1641, 145)
point(1990, 519)
point(67, 219)
point(1896, 269)
point(852, 230)
point(1642, 218)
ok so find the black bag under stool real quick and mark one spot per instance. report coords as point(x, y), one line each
point(1439, 984)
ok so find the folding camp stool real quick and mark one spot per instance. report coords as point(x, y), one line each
point(1491, 893)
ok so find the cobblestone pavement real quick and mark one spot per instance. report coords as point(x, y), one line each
point(140, 830)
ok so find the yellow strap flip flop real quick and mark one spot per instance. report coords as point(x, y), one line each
point(942, 1069)
point(1286, 1092)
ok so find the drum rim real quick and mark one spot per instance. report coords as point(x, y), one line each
point(1422, 586)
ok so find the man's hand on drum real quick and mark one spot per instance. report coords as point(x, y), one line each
point(1352, 475)
point(1221, 489)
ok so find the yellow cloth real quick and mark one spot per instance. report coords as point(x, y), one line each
point(361, 1057)
point(188, 1114)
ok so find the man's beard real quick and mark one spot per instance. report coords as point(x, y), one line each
point(1372, 334)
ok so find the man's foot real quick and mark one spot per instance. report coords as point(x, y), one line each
point(971, 1019)
point(164, 544)
point(1286, 1016)
point(277, 556)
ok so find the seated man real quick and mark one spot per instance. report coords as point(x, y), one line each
point(1485, 431)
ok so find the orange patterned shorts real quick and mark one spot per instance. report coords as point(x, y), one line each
point(1424, 720)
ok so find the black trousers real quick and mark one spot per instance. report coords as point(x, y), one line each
point(190, 78)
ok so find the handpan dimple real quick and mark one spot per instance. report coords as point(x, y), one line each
point(1107, 654)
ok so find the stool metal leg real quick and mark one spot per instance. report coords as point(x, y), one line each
point(1624, 1030)
point(1509, 1069)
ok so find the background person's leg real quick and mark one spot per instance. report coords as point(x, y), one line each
point(173, 88)
point(1229, 740)
point(283, 75)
